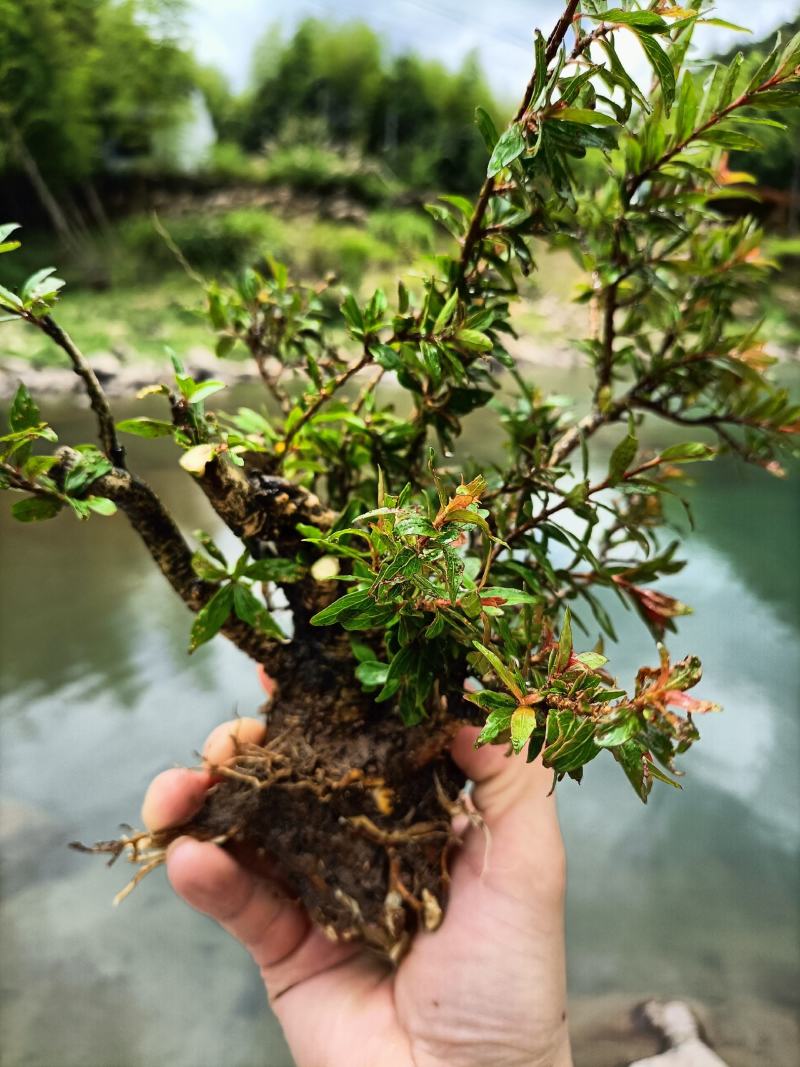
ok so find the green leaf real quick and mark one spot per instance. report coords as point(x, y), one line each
point(474, 339)
point(510, 146)
point(569, 741)
point(432, 360)
point(652, 771)
point(491, 701)
point(725, 137)
point(564, 643)
point(500, 669)
point(207, 569)
point(246, 604)
point(454, 568)
point(723, 24)
point(144, 426)
point(497, 723)
point(352, 314)
point(471, 604)
point(486, 126)
point(91, 466)
point(689, 452)
point(510, 596)
point(40, 285)
point(102, 505)
point(523, 723)
point(685, 674)
point(630, 756)
point(346, 605)
point(224, 346)
point(415, 525)
point(8, 228)
point(593, 660)
point(469, 518)
point(10, 299)
point(197, 391)
point(372, 673)
point(211, 618)
point(210, 546)
point(622, 457)
point(36, 465)
point(446, 314)
point(36, 508)
point(605, 696)
point(584, 116)
point(616, 731)
point(646, 21)
point(662, 66)
point(274, 570)
point(790, 57)
point(386, 357)
point(24, 413)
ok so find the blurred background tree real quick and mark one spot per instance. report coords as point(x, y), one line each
point(106, 114)
point(83, 85)
point(776, 163)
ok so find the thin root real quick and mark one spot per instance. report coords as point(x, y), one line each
point(398, 837)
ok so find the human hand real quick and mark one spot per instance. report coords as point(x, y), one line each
point(486, 988)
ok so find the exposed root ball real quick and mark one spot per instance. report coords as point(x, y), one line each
point(360, 824)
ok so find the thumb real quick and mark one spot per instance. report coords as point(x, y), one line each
point(502, 779)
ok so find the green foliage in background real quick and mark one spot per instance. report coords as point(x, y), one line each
point(87, 82)
point(414, 114)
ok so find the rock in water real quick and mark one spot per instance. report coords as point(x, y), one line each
point(676, 1023)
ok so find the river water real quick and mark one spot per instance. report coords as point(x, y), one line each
point(694, 895)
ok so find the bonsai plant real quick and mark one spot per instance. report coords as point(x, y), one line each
point(425, 593)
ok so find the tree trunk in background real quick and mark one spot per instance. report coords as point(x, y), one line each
point(49, 203)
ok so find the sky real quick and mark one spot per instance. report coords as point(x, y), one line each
point(225, 31)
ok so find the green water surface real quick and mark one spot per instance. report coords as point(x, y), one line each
point(694, 895)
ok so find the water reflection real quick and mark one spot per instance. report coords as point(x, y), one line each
point(696, 894)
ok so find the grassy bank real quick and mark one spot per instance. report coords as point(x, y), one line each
point(127, 294)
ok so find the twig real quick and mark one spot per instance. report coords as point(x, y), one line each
point(169, 241)
point(325, 394)
point(97, 398)
point(547, 512)
point(746, 98)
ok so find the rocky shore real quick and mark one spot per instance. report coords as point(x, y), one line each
point(119, 377)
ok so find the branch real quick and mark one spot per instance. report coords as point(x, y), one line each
point(746, 98)
point(165, 543)
point(584, 41)
point(717, 423)
point(587, 426)
point(326, 393)
point(592, 490)
point(168, 549)
point(94, 390)
point(258, 506)
point(475, 230)
point(559, 33)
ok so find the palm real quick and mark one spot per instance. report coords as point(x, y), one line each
point(487, 987)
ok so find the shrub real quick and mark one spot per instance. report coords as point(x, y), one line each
point(224, 241)
point(428, 591)
point(320, 169)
